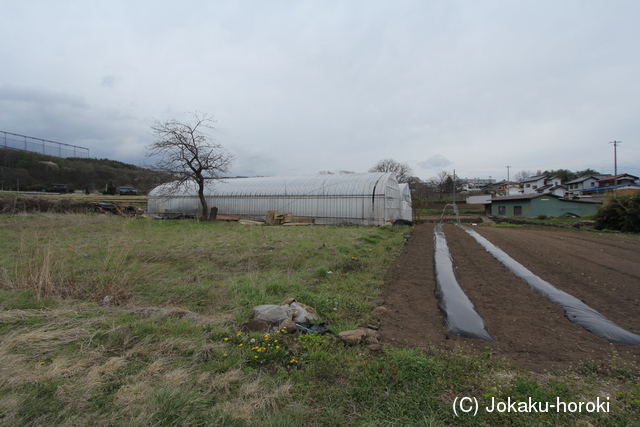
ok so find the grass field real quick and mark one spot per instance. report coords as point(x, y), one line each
point(167, 348)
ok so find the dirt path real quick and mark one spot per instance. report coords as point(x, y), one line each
point(528, 330)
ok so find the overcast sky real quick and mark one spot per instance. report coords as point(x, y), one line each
point(298, 87)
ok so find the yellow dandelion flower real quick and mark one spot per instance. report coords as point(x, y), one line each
point(42, 363)
point(275, 340)
point(255, 357)
point(225, 355)
point(225, 339)
point(238, 334)
point(292, 361)
point(277, 347)
point(239, 345)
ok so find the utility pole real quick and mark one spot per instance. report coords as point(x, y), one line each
point(454, 187)
point(508, 174)
point(615, 165)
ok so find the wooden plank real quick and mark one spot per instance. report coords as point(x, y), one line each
point(271, 217)
point(228, 217)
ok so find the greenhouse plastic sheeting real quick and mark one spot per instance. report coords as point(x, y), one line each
point(575, 310)
point(460, 315)
point(367, 198)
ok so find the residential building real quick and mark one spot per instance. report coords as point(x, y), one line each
point(620, 183)
point(541, 183)
point(536, 204)
point(502, 188)
point(508, 188)
point(576, 187)
point(620, 179)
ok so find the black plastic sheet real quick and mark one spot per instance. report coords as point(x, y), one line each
point(460, 316)
point(574, 309)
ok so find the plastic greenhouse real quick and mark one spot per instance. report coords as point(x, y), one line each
point(365, 198)
point(405, 202)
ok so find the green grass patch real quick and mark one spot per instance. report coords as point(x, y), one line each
point(166, 348)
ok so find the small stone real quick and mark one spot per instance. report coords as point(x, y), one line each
point(256, 325)
point(352, 337)
point(370, 332)
point(378, 311)
point(289, 325)
point(375, 347)
point(372, 340)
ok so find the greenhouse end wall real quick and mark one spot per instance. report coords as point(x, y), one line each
point(366, 199)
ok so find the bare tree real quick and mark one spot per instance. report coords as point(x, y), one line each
point(188, 153)
point(403, 170)
point(522, 175)
point(442, 182)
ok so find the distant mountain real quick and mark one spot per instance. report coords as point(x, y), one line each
point(36, 172)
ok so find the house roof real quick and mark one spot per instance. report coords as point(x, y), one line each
point(522, 197)
point(551, 187)
point(608, 187)
point(535, 178)
point(535, 195)
point(621, 175)
point(584, 178)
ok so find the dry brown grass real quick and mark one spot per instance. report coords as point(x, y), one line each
point(45, 270)
point(40, 272)
point(256, 396)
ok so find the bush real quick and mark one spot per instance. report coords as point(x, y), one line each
point(621, 213)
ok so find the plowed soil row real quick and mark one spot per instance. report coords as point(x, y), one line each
point(531, 332)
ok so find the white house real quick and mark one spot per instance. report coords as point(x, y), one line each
point(543, 184)
point(576, 187)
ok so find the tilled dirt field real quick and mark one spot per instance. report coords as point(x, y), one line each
point(601, 270)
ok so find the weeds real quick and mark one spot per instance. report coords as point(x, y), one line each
point(67, 357)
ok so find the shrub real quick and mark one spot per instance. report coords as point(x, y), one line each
point(621, 213)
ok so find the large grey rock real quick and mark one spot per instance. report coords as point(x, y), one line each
point(301, 312)
point(274, 314)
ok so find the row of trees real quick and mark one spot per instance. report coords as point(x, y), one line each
point(564, 174)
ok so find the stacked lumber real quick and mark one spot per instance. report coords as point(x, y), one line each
point(287, 219)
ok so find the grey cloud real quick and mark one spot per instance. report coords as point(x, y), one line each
point(328, 86)
point(437, 161)
point(108, 81)
point(10, 93)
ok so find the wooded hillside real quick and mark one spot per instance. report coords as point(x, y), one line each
point(29, 171)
